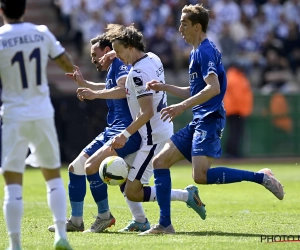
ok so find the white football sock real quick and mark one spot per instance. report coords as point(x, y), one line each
point(13, 211)
point(57, 203)
point(136, 210)
point(176, 195)
point(179, 195)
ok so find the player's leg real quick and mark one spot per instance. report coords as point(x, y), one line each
point(77, 190)
point(14, 146)
point(209, 133)
point(98, 189)
point(139, 221)
point(44, 150)
point(168, 156)
point(77, 186)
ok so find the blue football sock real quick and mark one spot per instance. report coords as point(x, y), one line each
point(99, 192)
point(77, 191)
point(162, 181)
point(223, 175)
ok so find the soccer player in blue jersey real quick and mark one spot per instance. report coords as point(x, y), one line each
point(118, 118)
point(199, 141)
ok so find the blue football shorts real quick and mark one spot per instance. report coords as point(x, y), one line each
point(105, 138)
point(200, 137)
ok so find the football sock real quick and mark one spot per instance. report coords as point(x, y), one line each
point(56, 196)
point(136, 210)
point(13, 211)
point(162, 181)
point(223, 175)
point(179, 195)
point(77, 192)
point(99, 192)
point(176, 194)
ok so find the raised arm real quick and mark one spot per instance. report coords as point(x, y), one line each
point(77, 76)
point(181, 92)
point(212, 89)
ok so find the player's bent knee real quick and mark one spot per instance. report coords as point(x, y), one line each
point(200, 178)
point(78, 165)
point(158, 163)
point(133, 196)
point(91, 167)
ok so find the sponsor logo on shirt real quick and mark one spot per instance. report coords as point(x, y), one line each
point(123, 68)
point(138, 80)
point(211, 66)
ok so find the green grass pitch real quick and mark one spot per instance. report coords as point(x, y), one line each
point(237, 215)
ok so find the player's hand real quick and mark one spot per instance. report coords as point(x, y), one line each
point(108, 56)
point(76, 76)
point(170, 112)
point(154, 85)
point(118, 142)
point(86, 93)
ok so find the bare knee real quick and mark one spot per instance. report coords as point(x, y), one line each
point(158, 163)
point(91, 167)
point(77, 166)
point(71, 168)
point(200, 176)
point(133, 196)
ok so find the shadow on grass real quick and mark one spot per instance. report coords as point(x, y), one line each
point(204, 233)
point(218, 233)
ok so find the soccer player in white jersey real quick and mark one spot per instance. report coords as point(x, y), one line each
point(28, 117)
point(145, 106)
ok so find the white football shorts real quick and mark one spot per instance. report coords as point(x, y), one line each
point(39, 136)
point(142, 166)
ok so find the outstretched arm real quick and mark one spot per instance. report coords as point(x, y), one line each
point(181, 92)
point(77, 76)
point(211, 89)
point(89, 94)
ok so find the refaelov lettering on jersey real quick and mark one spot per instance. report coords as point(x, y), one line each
point(19, 40)
point(147, 69)
point(118, 111)
point(24, 51)
point(206, 60)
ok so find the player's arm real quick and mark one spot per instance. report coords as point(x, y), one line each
point(211, 89)
point(145, 114)
point(64, 61)
point(77, 76)
point(181, 92)
point(121, 82)
point(89, 94)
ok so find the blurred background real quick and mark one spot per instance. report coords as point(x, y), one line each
point(260, 45)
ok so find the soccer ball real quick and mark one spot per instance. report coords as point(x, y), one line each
point(113, 170)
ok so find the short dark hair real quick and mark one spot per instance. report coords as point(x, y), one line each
point(102, 41)
point(128, 36)
point(197, 14)
point(13, 9)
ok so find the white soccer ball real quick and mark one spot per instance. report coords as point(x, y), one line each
point(113, 170)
